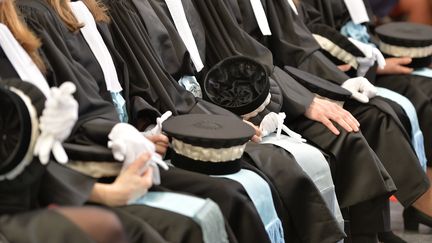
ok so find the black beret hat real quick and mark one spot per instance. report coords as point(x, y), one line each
point(242, 86)
point(21, 104)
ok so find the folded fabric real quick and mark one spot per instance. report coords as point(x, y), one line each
point(260, 194)
point(417, 139)
point(204, 212)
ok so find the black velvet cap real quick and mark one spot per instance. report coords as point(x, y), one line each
point(16, 128)
point(408, 35)
point(318, 85)
point(405, 34)
point(208, 132)
point(241, 85)
point(338, 39)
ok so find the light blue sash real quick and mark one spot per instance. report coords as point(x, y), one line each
point(191, 84)
point(120, 106)
point(425, 72)
point(260, 194)
point(206, 213)
point(416, 134)
point(356, 31)
point(315, 166)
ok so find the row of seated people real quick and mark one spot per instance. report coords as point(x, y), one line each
point(124, 59)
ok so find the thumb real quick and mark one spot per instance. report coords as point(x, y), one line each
point(360, 97)
point(138, 164)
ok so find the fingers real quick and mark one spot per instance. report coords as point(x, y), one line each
point(360, 97)
point(402, 60)
point(326, 122)
point(138, 164)
point(147, 178)
point(403, 70)
point(258, 133)
point(345, 67)
point(59, 153)
point(161, 148)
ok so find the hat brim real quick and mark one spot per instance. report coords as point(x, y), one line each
point(21, 105)
point(275, 104)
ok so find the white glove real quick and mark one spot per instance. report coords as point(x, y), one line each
point(362, 90)
point(370, 52)
point(273, 122)
point(127, 144)
point(157, 129)
point(56, 123)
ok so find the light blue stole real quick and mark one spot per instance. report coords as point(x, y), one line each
point(261, 196)
point(417, 139)
point(204, 212)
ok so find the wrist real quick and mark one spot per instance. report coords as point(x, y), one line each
point(100, 192)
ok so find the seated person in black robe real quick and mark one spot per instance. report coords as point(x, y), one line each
point(394, 76)
point(133, 43)
point(216, 53)
point(179, 67)
point(39, 16)
point(40, 191)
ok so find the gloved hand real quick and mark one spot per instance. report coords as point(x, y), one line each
point(273, 122)
point(157, 129)
point(362, 90)
point(127, 144)
point(370, 52)
point(56, 123)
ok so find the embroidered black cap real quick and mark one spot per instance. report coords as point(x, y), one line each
point(242, 86)
point(210, 144)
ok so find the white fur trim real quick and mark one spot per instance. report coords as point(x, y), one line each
point(401, 51)
point(208, 154)
point(258, 110)
point(336, 51)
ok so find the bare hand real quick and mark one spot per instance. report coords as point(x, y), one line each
point(129, 185)
point(345, 67)
point(325, 112)
point(258, 133)
point(396, 66)
point(161, 141)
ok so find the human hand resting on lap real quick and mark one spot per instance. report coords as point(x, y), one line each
point(327, 112)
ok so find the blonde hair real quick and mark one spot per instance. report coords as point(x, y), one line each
point(27, 39)
point(62, 8)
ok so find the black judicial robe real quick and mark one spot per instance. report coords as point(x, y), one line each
point(322, 224)
point(416, 88)
point(239, 208)
point(19, 224)
point(281, 17)
point(126, 23)
point(221, 18)
point(64, 67)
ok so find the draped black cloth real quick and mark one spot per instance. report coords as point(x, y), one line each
point(365, 117)
point(174, 179)
point(334, 13)
point(219, 22)
point(153, 18)
point(40, 226)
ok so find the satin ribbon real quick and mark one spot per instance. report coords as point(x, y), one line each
point(204, 212)
point(417, 139)
point(260, 194)
point(21, 61)
point(260, 16)
point(178, 15)
point(293, 6)
point(102, 54)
